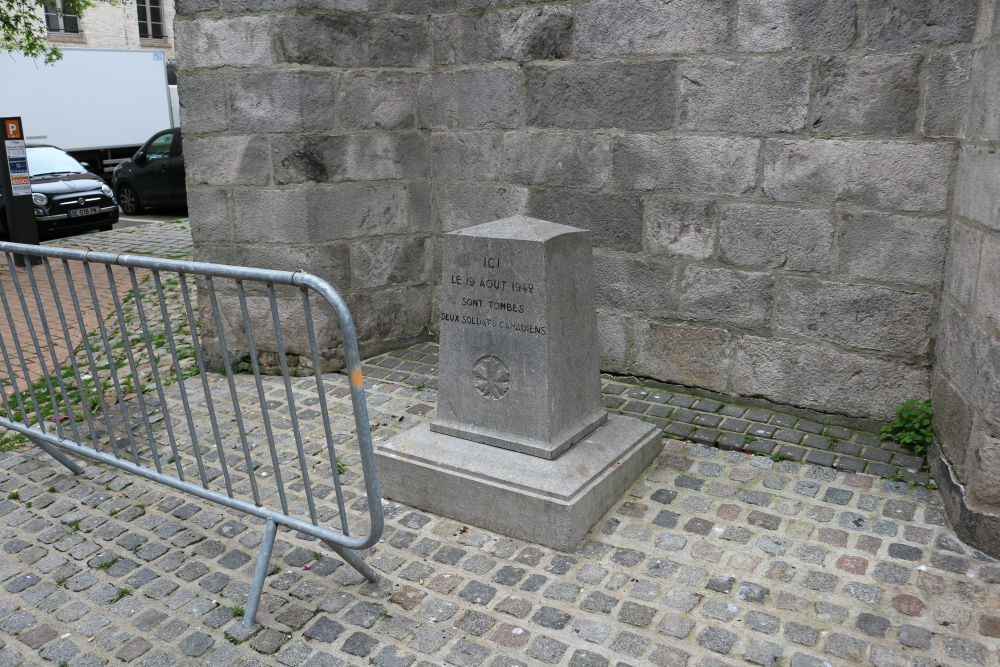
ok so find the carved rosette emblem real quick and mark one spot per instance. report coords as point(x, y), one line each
point(491, 377)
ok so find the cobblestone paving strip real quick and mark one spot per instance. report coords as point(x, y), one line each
point(163, 239)
point(99, 365)
point(725, 424)
point(712, 558)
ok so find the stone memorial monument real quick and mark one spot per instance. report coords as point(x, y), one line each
point(520, 444)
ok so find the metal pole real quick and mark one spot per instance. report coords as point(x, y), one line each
point(259, 573)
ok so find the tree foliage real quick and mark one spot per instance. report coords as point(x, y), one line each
point(22, 26)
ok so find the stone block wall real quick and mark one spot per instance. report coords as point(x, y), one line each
point(966, 388)
point(768, 183)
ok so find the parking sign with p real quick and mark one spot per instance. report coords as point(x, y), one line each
point(12, 128)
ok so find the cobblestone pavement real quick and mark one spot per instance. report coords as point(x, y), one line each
point(724, 423)
point(163, 239)
point(713, 558)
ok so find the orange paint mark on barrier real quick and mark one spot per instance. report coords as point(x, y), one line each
point(357, 377)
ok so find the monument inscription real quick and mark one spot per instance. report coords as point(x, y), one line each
point(517, 317)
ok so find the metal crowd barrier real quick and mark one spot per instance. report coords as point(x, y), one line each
point(126, 393)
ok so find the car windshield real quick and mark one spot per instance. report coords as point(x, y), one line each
point(49, 160)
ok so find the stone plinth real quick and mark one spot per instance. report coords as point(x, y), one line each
point(519, 362)
point(550, 502)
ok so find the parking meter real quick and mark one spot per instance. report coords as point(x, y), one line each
point(15, 185)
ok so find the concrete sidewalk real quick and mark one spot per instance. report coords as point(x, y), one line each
point(712, 558)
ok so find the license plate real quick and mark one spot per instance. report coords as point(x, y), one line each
point(80, 212)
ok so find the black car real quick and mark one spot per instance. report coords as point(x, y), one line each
point(67, 198)
point(154, 176)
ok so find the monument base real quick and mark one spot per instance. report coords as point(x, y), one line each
point(549, 502)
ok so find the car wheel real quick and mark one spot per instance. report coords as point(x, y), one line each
point(128, 199)
point(4, 234)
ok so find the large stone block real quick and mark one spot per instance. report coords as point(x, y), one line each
point(976, 194)
point(536, 33)
point(233, 42)
point(983, 121)
point(422, 7)
point(462, 156)
point(291, 320)
point(189, 7)
point(317, 214)
point(626, 283)
point(376, 100)
point(614, 220)
point(989, 22)
point(203, 103)
point(247, 161)
point(946, 94)
point(650, 27)
point(962, 267)
point(352, 210)
point(984, 470)
point(861, 316)
point(820, 378)
point(901, 24)
point(697, 165)
point(679, 227)
point(465, 204)
point(556, 158)
point(329, 261)
point(632, 96)
point(884, 174)
point(952, 422)
point(209, 215)
point(421, 205)
point(300, 158)
point(776, 25)
point(724, 296)
point(691, 356)
point(397, 314)
point(374, 157)
point(435, 101)
point(259, 6)
point(270, 216)
point(488, 98)
point(446, 38)
point(747, 95)
point(892, 248)
point(518, 362)
point(388, 261)
point(281, 101)
point(971, 358)
point(988, 292)
point(776, 237)
point(614, 334)
point(871, 94)
point(351, 40)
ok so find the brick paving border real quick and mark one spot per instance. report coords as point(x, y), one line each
point(727, 424)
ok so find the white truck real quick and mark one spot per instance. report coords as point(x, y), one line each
point(98, 105)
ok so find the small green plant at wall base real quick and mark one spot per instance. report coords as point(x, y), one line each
point(912, 427)
point(237, 611)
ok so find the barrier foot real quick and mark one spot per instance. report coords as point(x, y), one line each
point(354, 560)
point(58, 456)
point(257, 587)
